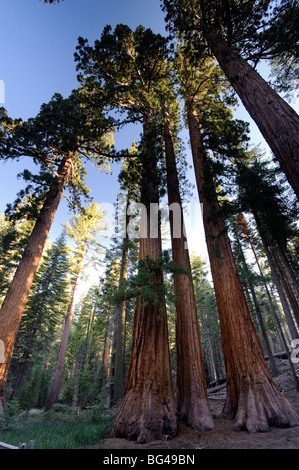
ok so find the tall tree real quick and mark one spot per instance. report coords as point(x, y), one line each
point(15, 229)
point(129, 182)
point(55, 139)
point(249, 382)
point(47, 299)
point(248, 279)
point(82, 230)
point(191, 387)
point(208, 318)
point(124, 67)
point(230, 29)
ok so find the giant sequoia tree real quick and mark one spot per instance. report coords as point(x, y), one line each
point(56, 139)
point(231, 30)
point(123, 68)
point(252, 397)
point(191, 378)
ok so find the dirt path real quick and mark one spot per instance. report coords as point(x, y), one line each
point(223, 437)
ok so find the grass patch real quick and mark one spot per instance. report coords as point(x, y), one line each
point(56, 434)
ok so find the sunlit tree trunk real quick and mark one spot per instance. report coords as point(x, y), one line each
point(15, 301)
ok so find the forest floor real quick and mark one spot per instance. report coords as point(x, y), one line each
point(223, 436)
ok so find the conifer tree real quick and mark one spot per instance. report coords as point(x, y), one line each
point(43, 312)
point(82, 230)
point(56, 139)
point(129, 182)
point(15, 229)
point(124, 67)
point(249, 382)
point(191, 379)
point(236, 33)
point(208, 320)
point(275, 216)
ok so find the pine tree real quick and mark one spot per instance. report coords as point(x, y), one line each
point(208, 319)
point(47, 300)
point(130, 184)
point(276, 218)
point(82, 230)
point(15, 229)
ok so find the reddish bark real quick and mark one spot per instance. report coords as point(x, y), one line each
point(253, 399)
point(192, 396)
point(15, 301)
point(148, 410)
point(277, 121)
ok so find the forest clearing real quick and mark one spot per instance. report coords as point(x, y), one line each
point(122, 326)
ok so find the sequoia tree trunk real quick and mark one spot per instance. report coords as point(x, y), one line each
point(277, 121)
point(253, 399)
point(191, 384)
point(54, 392)
point(148, 410)
point(15, 301)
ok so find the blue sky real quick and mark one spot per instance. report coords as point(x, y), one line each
point(37, 44)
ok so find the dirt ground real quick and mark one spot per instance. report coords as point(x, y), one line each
point(223, 436)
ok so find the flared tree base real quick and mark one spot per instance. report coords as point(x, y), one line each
point(198, 415)
point(144, 417)
point(260, 406)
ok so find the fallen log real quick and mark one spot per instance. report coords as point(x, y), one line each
point(216, 389)
point(279, 355)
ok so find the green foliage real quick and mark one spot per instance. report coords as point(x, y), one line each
point(11, 415)
point(143, 284)
point(62, 129)
point(58, 434)
point(84, 229)
point(44, 312)
point(14, 234)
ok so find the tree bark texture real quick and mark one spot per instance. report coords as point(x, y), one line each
point(191, 385)
point(276, 120)
point(15, 301)
point(148, 410)
point(253, 400)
